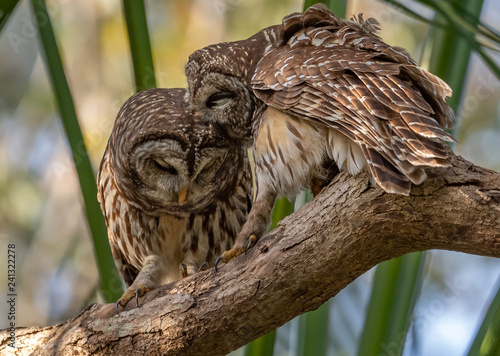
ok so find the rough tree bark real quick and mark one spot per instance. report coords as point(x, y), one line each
point(313, 254)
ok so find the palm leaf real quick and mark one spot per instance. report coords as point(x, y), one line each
point(464, 19)
point(396, 286)
point(6, 9)
point(140, 48)
point(487, 342)
point(111, 286)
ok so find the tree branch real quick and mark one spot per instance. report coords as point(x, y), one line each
point(313, 254)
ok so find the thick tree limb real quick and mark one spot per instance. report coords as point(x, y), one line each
point(309, 258)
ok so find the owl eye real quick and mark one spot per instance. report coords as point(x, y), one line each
point(165, 168)
point(219, 99)
point(207, 168)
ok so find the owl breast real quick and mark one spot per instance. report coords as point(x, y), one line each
point(290, 152)
point(134, 235)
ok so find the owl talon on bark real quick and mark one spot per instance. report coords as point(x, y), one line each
point(228, 256)
point(116, 307)
point(203, 267)
point(130, 293)
point(217, 261)
point(251, 241)
point(183, 268)
point(235, 252)
point(138, 292)
point(190, 268)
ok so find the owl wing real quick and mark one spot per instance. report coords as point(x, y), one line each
point(372, 93)
point(106, 188)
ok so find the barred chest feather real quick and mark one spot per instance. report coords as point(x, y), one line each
point(193, 238)
point(289, 152)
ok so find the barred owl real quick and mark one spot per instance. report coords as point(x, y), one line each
point(317, 89)
point(174, 191)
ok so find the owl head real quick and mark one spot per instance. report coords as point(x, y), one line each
point(165, 159)
point(219, 88)
point(220, 76)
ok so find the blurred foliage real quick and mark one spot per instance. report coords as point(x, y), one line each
point(263, 346)
point(462, 18)
point(450, 54)
point(110, 284)
point(487, 340)
point(140, 48)
point(6, 8)
point(396, 286)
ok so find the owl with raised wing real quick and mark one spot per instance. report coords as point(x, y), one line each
point(319, 89)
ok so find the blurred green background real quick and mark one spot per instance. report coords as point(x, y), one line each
point(41, 208)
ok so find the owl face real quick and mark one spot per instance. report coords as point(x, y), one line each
point(166, 160)
point(218, 91)
point(176, 171)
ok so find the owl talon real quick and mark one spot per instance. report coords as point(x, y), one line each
point(251, 241)
point(130, 293)
point(137, 294)
point(217, 263)
point(232, 253)
point(203, 267)
point(184, 271)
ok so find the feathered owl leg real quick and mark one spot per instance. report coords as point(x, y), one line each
point(330, 170)
point(148, 278)
point(256, 225)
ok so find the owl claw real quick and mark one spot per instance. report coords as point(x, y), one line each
point(235, 252)
point(251, 241)
point(129, 294)
point(184, 271)
point(138, 292)
point(116, 306)
point(190, 268)
point(217, 262)
point(203, 266)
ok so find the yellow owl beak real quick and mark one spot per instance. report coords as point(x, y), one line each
point(182, 194)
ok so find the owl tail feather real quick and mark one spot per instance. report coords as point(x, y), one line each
point(385, 174)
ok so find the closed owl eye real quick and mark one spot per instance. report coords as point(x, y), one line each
point(164, 167)
point(208, 168)
point(219, 99)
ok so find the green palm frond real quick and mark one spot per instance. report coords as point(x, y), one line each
point(463, 18)
point(111, 286)
point(140, 48)
point(487, 342)
point(6, 9)
point(396, 287)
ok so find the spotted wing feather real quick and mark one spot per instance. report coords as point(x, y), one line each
point(341, 74)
